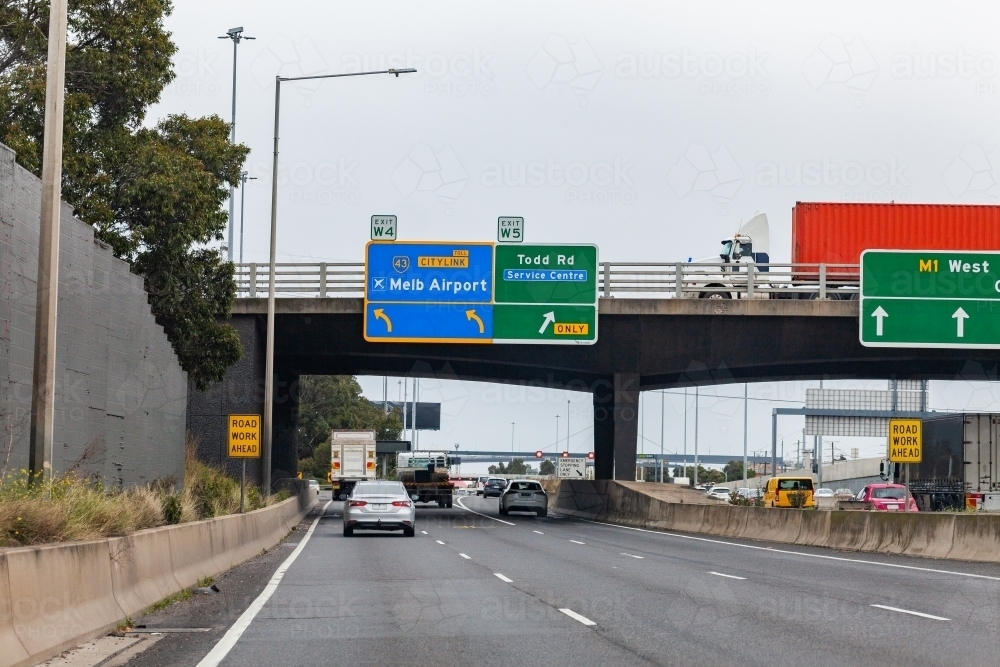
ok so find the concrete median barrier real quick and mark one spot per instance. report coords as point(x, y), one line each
point(142, 571)
point(848, 530)
point(974, 537)
point(54, 597)
point(11, 649)
point(61, 595)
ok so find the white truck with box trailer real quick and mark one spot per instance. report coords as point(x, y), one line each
point(352, 460)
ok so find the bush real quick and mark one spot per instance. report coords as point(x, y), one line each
point(71, 507)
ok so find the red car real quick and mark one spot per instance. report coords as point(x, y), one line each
point(887, 497)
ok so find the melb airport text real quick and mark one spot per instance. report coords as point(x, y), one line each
point(439, 285)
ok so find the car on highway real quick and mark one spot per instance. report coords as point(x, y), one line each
point(748, 493)
point(379, 505)
point(313, 485)
point(887, 497)
point(719, 493)
point(480, 483)
point(824, 493)
point(782, 491)
point(845, 494)
point(494, 487)
point(524, 495)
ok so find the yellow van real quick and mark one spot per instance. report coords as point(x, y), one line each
point(778, 489)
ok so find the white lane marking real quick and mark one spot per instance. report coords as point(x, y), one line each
point(465, 557)
point(631, 555)
point(728, 576)
point(423, 532)
point(228, 641)
point(577, 617)
point(798, 553)
point(912, 613)
point(503, 578)
point(439, 541)
point(462, 505)
point(538, 531)
point(575, 542)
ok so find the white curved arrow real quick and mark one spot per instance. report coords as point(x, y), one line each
point(960, 316)
point(879, 315)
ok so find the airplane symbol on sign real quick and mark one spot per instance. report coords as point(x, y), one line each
point(378, 284)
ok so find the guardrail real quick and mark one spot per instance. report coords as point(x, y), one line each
point(619, 279)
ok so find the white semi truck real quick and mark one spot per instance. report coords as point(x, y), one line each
point(747, 248)
point(352, 460)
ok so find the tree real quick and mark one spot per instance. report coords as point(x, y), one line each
point(515, 467)
point(705, 475)
point(327, 402)
point(734, 470)
point(547, 467)
point(155, 194)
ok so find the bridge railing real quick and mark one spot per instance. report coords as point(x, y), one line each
point(620, 279)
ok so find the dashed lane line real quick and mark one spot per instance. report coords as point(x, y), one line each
point(503, 578)
point(576, 542)
point(465, 557)
point(912, 613)
point(728, 576)
point(577, 617)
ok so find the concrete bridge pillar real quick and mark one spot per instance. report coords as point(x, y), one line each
point(616, 426)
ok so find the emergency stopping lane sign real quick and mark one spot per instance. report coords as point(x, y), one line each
point(244, 436)
point(905, 441)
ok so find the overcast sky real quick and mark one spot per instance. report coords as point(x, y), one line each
point(649, 128)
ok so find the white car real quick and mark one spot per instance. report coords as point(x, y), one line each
point(746, 492)
point(719, 493)
point(824, 493)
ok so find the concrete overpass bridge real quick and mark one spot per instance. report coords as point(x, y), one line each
point(652, 336)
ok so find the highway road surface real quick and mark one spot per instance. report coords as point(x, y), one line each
point(473, 588)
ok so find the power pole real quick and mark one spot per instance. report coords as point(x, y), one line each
point(44, 365)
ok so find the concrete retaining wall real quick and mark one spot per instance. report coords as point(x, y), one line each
point(56, 596)
point(974, 537)
point(120, 394)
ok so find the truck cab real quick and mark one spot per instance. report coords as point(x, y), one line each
point(748, 246)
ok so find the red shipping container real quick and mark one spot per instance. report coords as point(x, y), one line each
point(831, 233)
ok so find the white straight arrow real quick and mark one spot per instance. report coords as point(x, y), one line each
point(879, 315)
point(960, 315)
point(549, 317)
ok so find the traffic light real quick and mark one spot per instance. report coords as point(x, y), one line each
point(538, 454)
point(565, 455)
point(590, 455)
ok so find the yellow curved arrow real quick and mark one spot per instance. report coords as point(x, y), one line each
point(471, 315)
point(380, 315)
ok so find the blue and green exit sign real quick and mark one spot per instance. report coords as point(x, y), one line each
point(930, 298)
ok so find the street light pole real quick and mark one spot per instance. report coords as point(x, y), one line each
point(744, 434)
point(243, 200)
point(44, 363)
point(269, 348)
point(235, 34)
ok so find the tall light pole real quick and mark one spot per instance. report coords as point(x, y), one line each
point(567, 425)
point(744, 434)
point(243, 200)
point(696, 435)
point(235, 34)
point(557, 431)
point(512, 436)
point(44, 364)
point(661, 436)
point(269, 350)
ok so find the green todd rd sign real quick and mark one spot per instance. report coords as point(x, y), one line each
point(545, 294)
point(930, 298)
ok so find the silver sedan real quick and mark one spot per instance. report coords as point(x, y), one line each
point(524, 495)
point(379, 506)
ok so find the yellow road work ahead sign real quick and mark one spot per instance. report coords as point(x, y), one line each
point(244, 436)
point(905, 441)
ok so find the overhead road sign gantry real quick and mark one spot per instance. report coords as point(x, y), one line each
point(480, 293)
point(930, 298)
